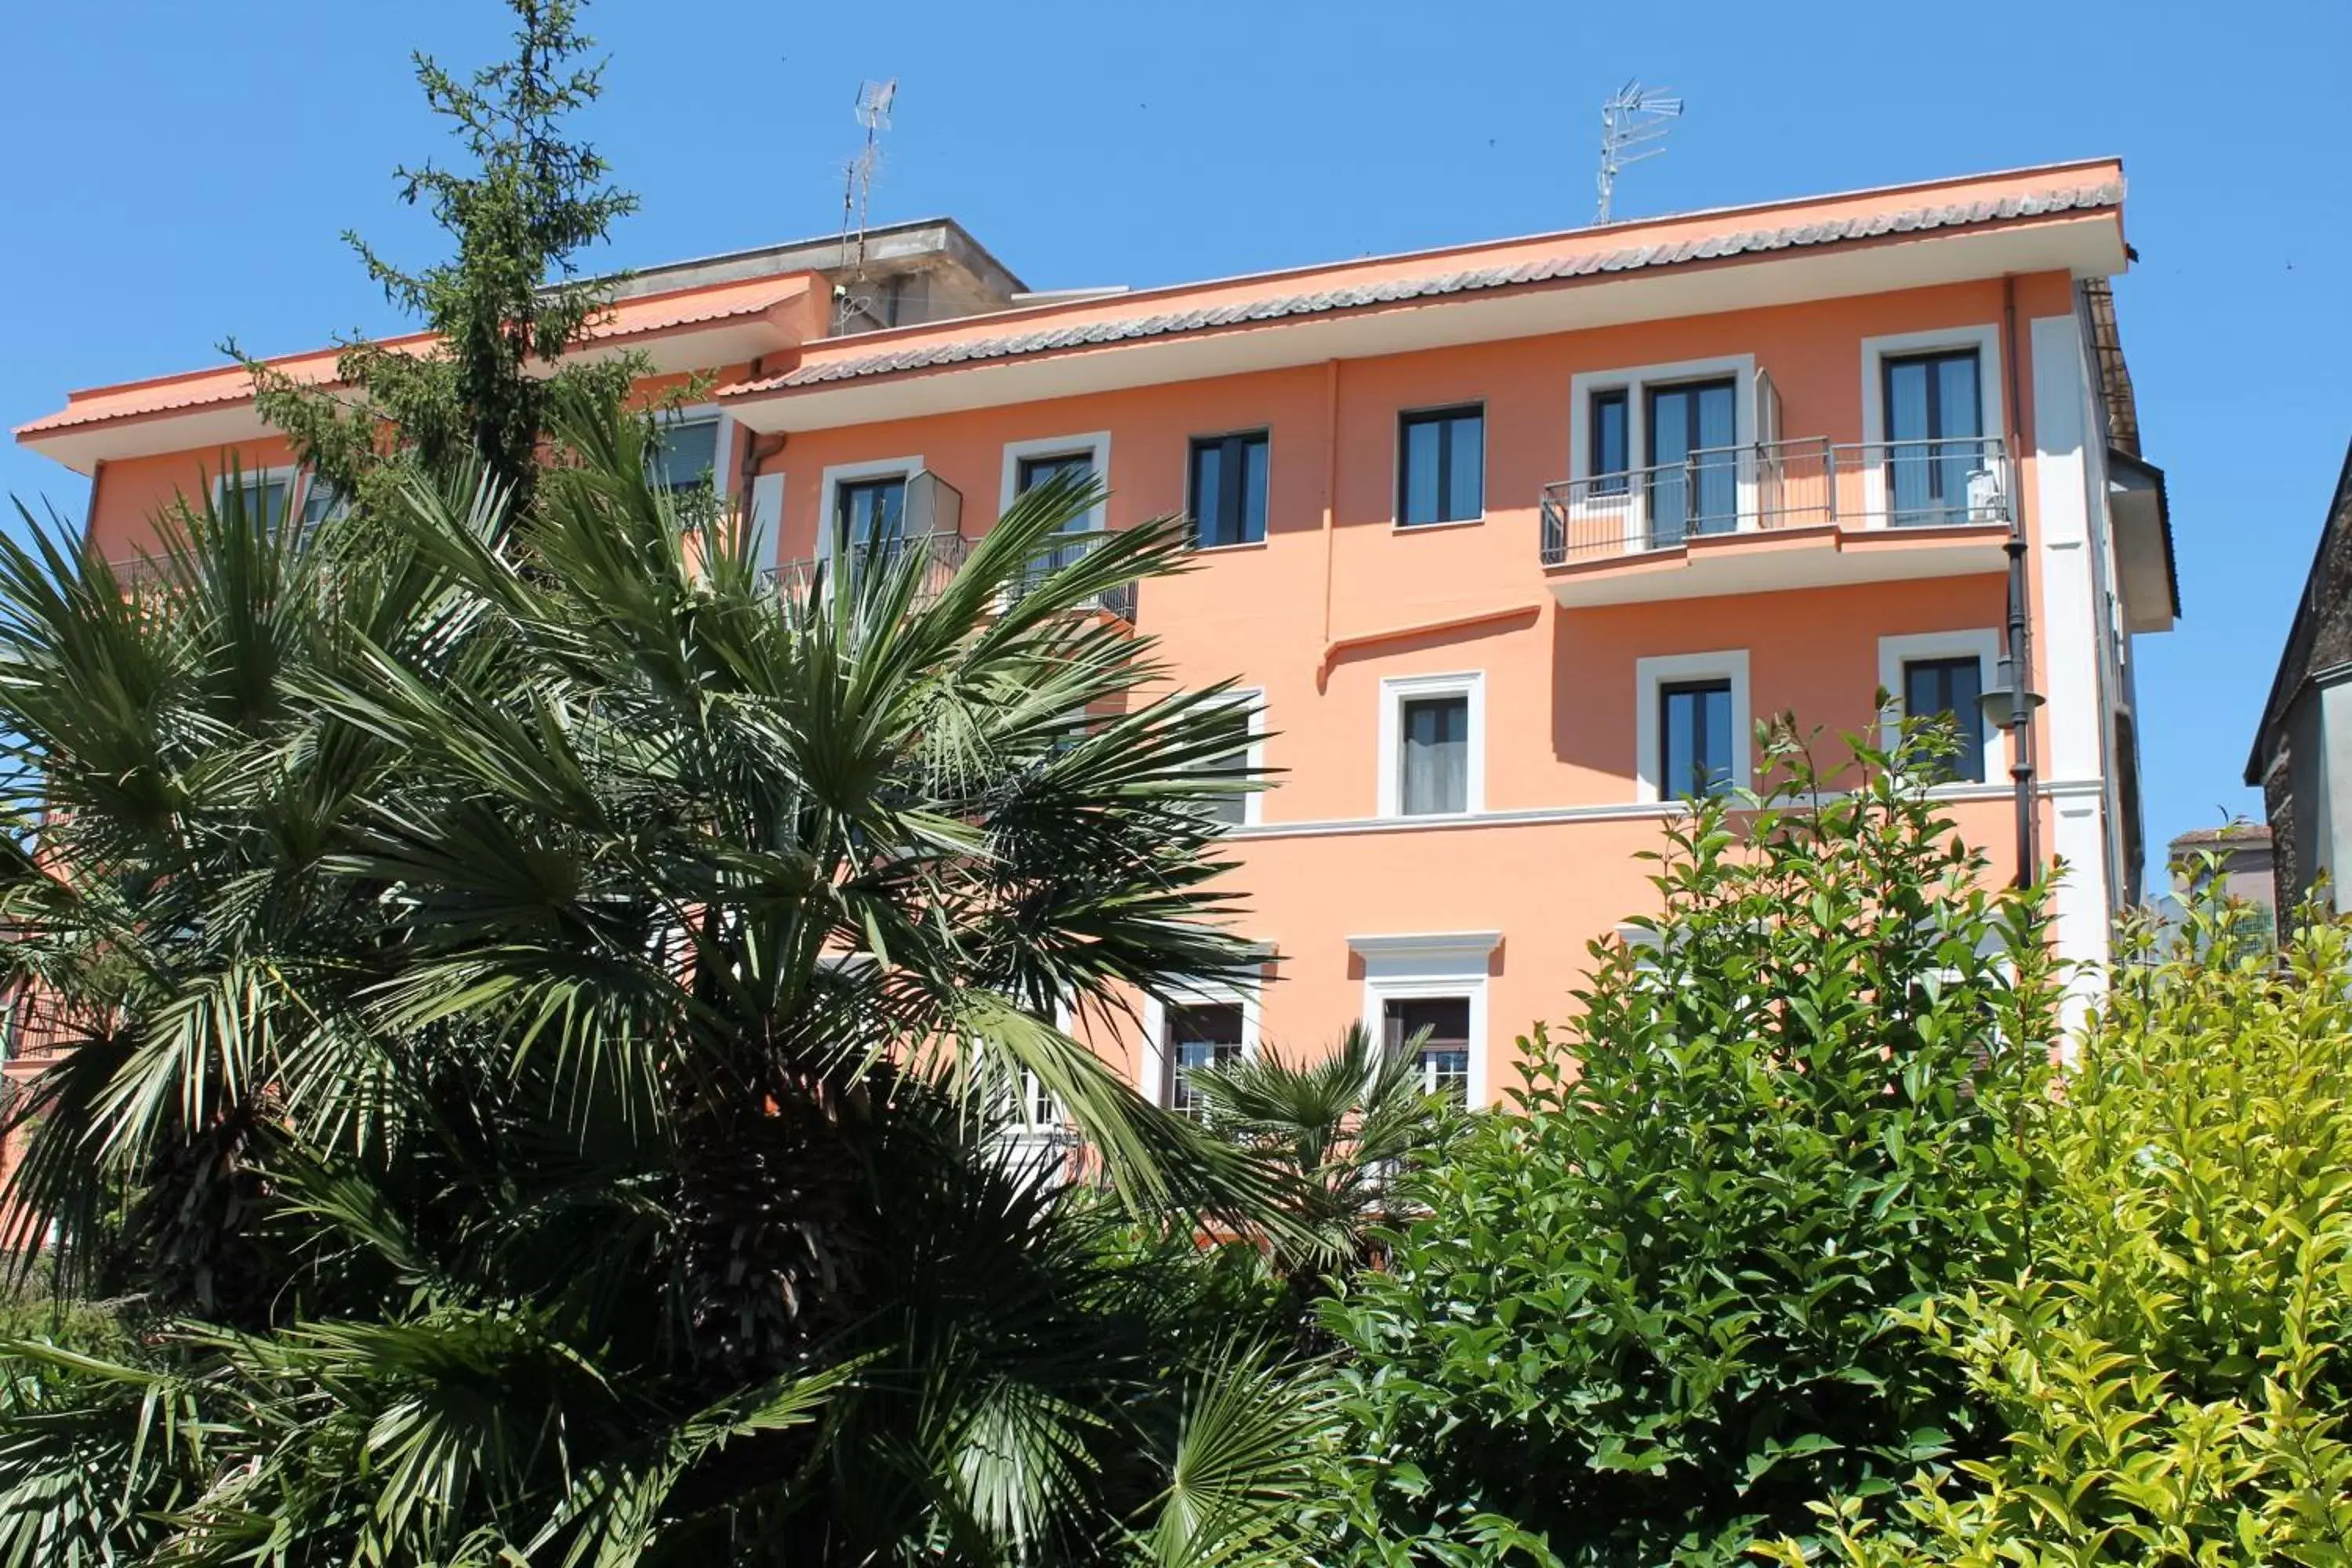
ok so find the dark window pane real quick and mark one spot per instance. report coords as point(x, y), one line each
point(1950, 688)
point(871, 512)
point(684, 454)
point(265, 499)
point(1422, 441)
point(1035, 471)
point(1694, 738)
point(1465, 477)
point(1436, 736)
point(1253, 487)
point(1962, 411)
point(1694, 483)
point(1444, 460)
point(1229, 489)
point(1203, 1035)
point(1611, 439)
point(1208, 492)
point(1232, 807)
point(1444, 1053)
point(1934, 421)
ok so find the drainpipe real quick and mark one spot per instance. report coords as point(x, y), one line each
point(1331, 483)
point(2019, 654)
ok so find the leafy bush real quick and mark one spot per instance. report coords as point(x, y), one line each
point(2170, 1363)
point(1654, 1314)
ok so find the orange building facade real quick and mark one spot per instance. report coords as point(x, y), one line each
point(1508, 544)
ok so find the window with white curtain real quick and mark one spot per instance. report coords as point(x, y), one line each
point(1436, 755)
point(1431, 738)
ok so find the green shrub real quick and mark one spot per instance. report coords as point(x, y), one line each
point(2171, 1363)
point(1654, 1314)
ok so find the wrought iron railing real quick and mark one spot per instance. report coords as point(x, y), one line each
point(1068, 549)
point(1779, 485)
point(937, 557)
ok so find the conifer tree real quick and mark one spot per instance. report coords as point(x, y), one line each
point(527, 200)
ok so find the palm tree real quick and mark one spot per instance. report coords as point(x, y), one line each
point(533, 1011)
point(1336, 1131)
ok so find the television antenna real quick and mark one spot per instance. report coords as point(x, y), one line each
point(1633, 125)
point(874, 102)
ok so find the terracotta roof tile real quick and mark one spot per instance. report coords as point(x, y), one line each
point(2079, 198)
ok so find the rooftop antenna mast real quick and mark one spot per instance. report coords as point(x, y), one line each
point(1633, 126)
point(874, 102)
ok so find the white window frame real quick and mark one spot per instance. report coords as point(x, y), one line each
point(1894, 652)
point(1095, 444)
point(1158, 1085)
point(839, 474)
point(1985, 338)
point(722, 447)
point(1253, 755)
point(1430, 966)
point(1666, 670)
point(1636, 382)
point(1396, 690)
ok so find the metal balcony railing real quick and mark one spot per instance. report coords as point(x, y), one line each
point(1071, 548)
point(1806, 483)
point(938, 556)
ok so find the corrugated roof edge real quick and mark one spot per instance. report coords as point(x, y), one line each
point(2105, 195)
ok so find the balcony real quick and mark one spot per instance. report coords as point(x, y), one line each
point(940, 556)
point(1118, 602)
point(1778, 515)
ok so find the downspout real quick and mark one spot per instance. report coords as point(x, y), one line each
point(2020, 635)
point(1331, 489)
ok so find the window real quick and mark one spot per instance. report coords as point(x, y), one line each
point(1927, 673)
point(1695, 737)
point(1694, 465)
point(1436, 756)
point(1935, 431)
point(322, 502)
point(1029, 464)
point(1612, 442)
point(1441, 466)
point(870, 511)
point(1949, 688)
point(1443, 1052)
point(1433, 980)
point(258, 492)
point(1432, 739)
point(1228, 482)
point(1036, 471)
point(1691, 724)
point(684, 454)
point(1237, 806)
point(1199, 1034)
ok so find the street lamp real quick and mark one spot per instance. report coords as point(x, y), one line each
point(2008, 702)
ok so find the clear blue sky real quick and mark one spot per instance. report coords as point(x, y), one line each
point(179, 172)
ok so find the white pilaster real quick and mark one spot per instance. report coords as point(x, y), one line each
point(2067, 638)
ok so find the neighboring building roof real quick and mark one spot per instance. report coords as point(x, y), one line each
point(2240, 832)
point(1726, 242)
point(2312, 607)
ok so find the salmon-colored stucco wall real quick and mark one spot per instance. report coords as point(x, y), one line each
point(129, 495)
point(1560, 690)
point(1290, 617)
